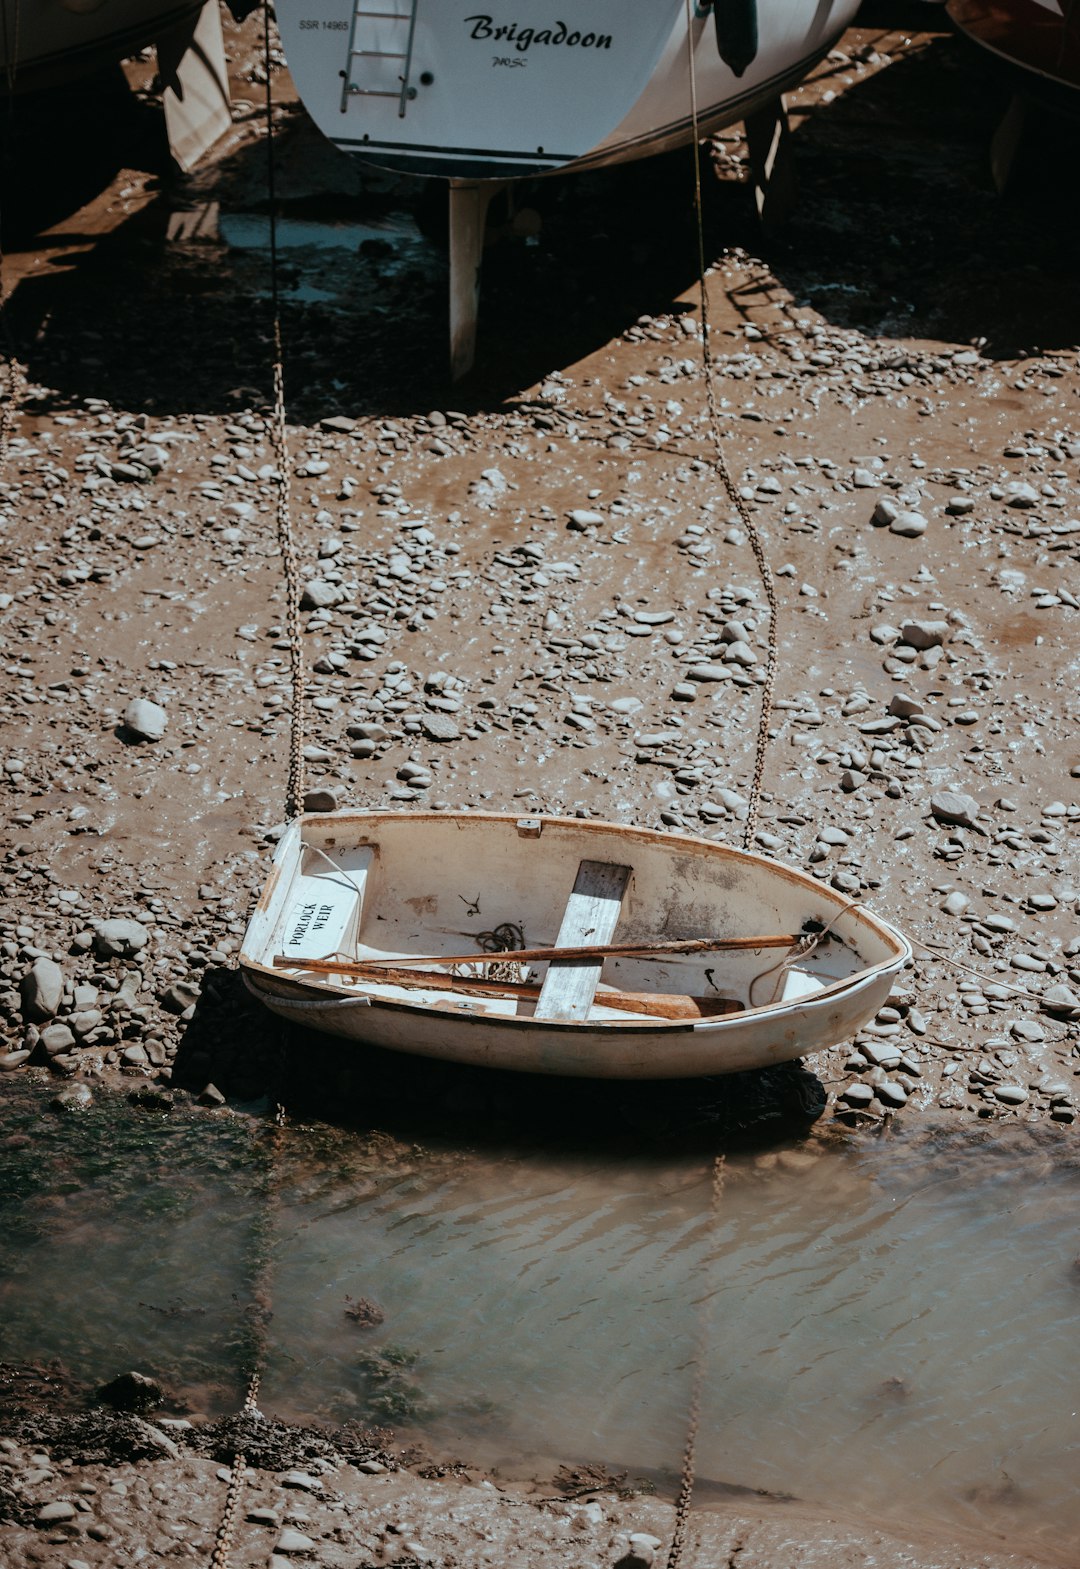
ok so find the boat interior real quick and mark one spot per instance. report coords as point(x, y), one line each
point(467, 891)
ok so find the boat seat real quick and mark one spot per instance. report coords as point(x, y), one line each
point(591, 916)
point(322, 917)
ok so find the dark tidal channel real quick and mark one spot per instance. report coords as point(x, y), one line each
point(891, 1323)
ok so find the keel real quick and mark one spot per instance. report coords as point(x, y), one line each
point(469, 202)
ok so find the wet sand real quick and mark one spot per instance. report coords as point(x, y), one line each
point(511, 585)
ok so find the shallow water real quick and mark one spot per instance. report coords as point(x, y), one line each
point(890, 1325)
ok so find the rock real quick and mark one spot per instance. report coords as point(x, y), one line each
point(707, 673)
point(10, 1060)
point(42, 990)
point(318, 594)
point(181, 996)
point(120, 938)
point(924, 634)
point(739, 654)
point(954, 808)
point(132, 1392)
point(859, 1095)
point(909, 525)
point(303, 1480)
point(293, 1541)
point(144, 719)
point(1010, 1094)
point(956, 903)
point(57, 1513)
point(580, 519)
point(323, 798)
point(57, 1038)
point(211, 1096)
point(1061, 1000)
point(1019, 494)
point(882, 1053)
point(76, 1097)
point(885, 513)
point(439, 727)
point(159, 1440)
point(890, 1093)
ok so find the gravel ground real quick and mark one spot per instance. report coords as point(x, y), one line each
point(531, 593)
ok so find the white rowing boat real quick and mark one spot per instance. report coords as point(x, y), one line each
point(559, 945)
point(479, 94)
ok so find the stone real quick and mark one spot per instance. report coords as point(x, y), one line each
point(909, 525)
point(707, 672)
point(740, 654)
point(882, 1053)
point(858, 1095)
point(57, 1038)
point(885, 513)
point(303, 1480)
point(924, 634)
point(211, 1096)
point(581, 519)
point(119, 938)
point(318, 594)
point(956, 903)
point(42, 990)
point(1010, 1094)
point(57, 1513)
point(144, 719)
point(322, 798)
point(158, 1440)
point(954, 808)
point(1020, 494)
point(293, 1541)
point(132, 1392)
point(890, 1093)
point(181, 996)
point(439, 727)
point(75, 1097)
point(1061, 1000)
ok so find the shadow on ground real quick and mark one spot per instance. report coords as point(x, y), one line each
point(249, 1056)
point(898, 233)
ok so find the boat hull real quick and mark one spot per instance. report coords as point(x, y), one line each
point(1034, 43)
point(51, 42)
point(424, 874)
point(440, 87)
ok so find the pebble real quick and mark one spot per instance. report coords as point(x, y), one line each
point(439, 727)
point(1011, 1094)
point(924, 634)
point(954, 808)
point(857, 1094)
point(908, 524)
point(293, 1541)
point(42, 990)
point(1020, 494)
point(144, 719)
point(55, 1513)
point(119, 937)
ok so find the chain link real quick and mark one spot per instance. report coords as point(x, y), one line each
point(294, 789)
point(720, 464)
point(689, 1466)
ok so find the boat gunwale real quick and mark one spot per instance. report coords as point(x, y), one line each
point(300, 991)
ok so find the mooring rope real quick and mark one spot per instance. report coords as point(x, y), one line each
point(720, 464)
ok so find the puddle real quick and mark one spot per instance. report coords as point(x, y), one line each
point(890, 1326)
point(328, 261)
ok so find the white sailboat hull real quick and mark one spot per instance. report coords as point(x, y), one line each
point(383, 885)
point(505, 89)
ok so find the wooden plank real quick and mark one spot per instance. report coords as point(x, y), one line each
point(664, 1005)
point(627, 950)
point(591, 916)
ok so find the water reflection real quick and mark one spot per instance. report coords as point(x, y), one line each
point(890, 1324)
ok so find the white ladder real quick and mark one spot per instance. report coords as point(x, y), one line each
point(394, 21)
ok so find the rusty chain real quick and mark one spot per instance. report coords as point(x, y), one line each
point(720, 464)
point(685, 1497)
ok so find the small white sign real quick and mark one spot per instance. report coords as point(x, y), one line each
point(317, 919)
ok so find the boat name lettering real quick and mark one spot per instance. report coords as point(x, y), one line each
point(524, 38)
point(313, 916)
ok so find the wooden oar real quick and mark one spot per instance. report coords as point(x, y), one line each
point(539, 955)
point(661, 1004)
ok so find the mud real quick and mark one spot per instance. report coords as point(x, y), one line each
point(907, 345)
